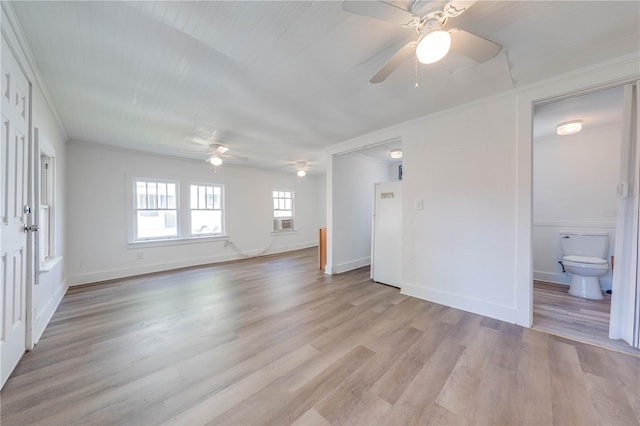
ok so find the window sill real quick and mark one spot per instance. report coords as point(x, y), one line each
point(49, 264)
point(292, 232)
point(176, 241)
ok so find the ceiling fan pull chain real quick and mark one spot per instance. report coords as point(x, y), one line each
point(416, 59)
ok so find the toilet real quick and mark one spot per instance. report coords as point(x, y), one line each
point(584, 257)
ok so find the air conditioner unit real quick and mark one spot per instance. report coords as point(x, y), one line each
point(282, 224)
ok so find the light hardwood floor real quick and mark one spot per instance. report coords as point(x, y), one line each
point(273, 341)
point(557, 312)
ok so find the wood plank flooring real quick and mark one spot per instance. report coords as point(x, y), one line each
point(273, 341)
point(557, 312)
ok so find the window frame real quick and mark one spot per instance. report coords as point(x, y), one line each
point(45, 204)
point(134, 209)
point(43, 149)
point(273, 210)
point(221, 209)
point(183, 217)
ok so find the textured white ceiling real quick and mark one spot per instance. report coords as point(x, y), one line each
point(280, 81)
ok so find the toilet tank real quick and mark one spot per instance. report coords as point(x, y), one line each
point(591, 244)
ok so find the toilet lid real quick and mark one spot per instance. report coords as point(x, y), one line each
point(585, 259)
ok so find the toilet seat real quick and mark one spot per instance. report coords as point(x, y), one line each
point(570, 262)
point(584, 259)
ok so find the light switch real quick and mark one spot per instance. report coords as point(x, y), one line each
point(420, 204)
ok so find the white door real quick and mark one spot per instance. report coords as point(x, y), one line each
point(386, 261)
point(13, 187)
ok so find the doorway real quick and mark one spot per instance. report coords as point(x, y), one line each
point(574, 195)
point(354, 173)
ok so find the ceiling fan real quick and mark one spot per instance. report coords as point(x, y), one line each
point(433, 41)
point(217, 152)
point(301, 167)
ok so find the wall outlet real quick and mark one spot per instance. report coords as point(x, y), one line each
point(139, 255)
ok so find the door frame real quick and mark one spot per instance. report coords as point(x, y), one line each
point(603, 76)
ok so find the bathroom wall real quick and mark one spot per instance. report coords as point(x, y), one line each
point(394, 171)
point(574, 189)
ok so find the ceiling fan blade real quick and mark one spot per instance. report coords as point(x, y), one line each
point(379, 10)
point(457, 7)
point(237, 157)
point(473, 46)
point(401, 55)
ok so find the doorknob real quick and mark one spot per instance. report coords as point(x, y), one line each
point(31, 228)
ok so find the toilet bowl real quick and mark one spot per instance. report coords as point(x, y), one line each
point(585, 272)
point(584, 258)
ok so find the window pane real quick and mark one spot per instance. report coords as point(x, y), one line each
point(171, 195)
point(287, 204)
point(217, 197)
point(156, 224)
point(152, 200)
point(206, 222)
point(209, 197)
point(202, 202)
point(45, 170)
point(141, 190)
point(194, 196)
point(43, 234)
point(162, 195)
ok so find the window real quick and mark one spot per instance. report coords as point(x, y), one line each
point(156, 214)
point(173, 211)
point(45, 219)
point(282, 210)
point(206, 210)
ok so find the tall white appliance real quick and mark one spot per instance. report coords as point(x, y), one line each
point(386, 244)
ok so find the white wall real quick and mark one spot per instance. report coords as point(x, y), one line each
point(322, 200)
point(354, 176)
point(96, 194)
point(51, 285)
point(48, 288)
point(394, 171)
point(459, 250)
point(574, 189)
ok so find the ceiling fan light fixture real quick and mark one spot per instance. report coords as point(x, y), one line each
point(301, 169)
point(569, 128)
point(215, 160)
point(433, 46)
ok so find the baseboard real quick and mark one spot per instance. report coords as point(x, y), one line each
point(565, 279)
point(480, 307)
point(93, 277)
point(47, 312)
point(351, 265)
point(552, 277)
